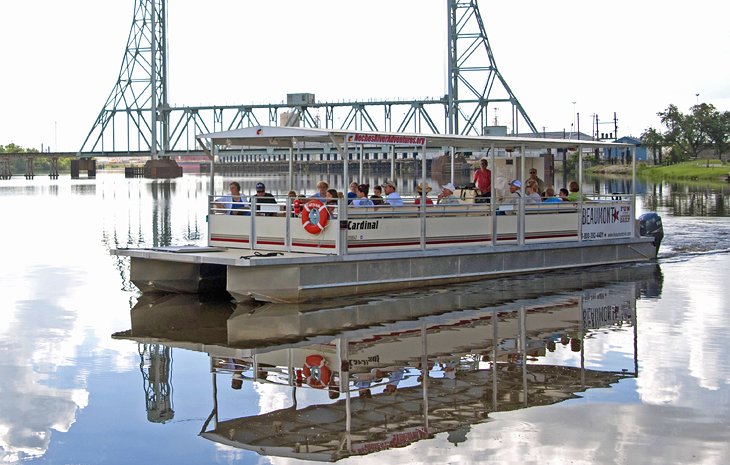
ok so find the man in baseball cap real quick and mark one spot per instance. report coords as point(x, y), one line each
point(514, 189)
point(263, 197)
point(392, 198)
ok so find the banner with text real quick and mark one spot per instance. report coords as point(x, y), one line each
point(606, 222)
point(385, 139)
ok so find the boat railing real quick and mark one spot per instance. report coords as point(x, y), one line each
point(288, 226)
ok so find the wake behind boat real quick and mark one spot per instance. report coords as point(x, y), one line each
point(306, 250)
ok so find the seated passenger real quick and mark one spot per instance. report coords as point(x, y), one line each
point(321, 193)
point(532, 196)
point(574, 189)
point(550, 196)
point(362, 199)
point(514, 192)
point(377, 196)
point(392, 198)
point(447, 197)
point(234, 203)
point(563, 194)
point(419, 189)
point(263, 197)
point(331, 200)
point(352, 194)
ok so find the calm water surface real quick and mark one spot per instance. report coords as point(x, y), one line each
point(613, 365)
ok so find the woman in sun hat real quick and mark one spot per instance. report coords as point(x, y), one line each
point(419, 189)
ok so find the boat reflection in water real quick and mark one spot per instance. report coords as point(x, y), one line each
point(392, 370)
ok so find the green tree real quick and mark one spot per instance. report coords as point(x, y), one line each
point(687, 135)
point(684, 133)
point(653, 139)
point(717, 128)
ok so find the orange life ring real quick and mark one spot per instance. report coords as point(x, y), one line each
point(316, 372)
point(315, 216)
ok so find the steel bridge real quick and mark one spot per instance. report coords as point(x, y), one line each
point(137, 116)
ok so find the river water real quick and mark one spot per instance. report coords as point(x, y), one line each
point(613, 365)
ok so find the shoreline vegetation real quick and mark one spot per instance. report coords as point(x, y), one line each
point(712, 170)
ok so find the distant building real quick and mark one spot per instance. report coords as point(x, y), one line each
point(623, 155)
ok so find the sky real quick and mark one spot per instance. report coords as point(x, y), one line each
point(60, 60)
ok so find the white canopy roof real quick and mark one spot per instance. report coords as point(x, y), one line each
point(278, 136)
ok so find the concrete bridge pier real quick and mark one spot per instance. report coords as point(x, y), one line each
point(5, 168)
point(29, 168)
point(53, 169)
point(79, 164)
point(162, 168)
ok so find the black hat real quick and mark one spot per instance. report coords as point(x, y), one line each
point(260, 187)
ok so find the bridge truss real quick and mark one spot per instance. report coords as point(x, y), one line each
point(138, 118)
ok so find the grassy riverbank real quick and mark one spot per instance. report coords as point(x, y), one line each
point(712, 170)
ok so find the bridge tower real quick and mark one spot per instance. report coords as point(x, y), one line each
point(137, 117)
point(156, 367)
point(475, 83)
point(136, 113)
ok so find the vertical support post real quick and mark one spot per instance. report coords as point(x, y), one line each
point(451, 64)
point(392, 163)
point(362, 153)
point(521, 213)
point(211, 189)
point(423, 197)
point(341, 244)
point(632, 151)
point(580, 192)
point(291, 165)
point(495, 341)
point(493, 198)
point(582, 346)
point(153, 82)
point(252, 230)
point(424, 371)
point(453, 163)
point(523, 350)
point(214, 375)
point(344, 366)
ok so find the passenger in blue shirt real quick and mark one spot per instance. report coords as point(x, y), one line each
point(392, 198)
point(233, 203)
point(362, 199)
point(352, 194)
point(550, 196)
point(321, 193)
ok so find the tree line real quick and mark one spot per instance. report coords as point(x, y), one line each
point(686, 135)
point(39, 163)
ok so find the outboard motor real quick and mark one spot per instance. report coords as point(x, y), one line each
point(650, 224)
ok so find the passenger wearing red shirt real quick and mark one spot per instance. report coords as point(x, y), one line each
point(483, 181)
point(419, 189)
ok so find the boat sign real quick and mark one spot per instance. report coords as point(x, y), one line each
point(606, 222)
point(385, 139)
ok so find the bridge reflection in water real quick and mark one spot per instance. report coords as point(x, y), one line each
point(394, 369)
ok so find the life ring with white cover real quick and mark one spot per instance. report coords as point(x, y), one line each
point(315, 216)
point(316, 372)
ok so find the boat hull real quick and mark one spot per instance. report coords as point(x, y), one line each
point(301, 282)
point(296, 278)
